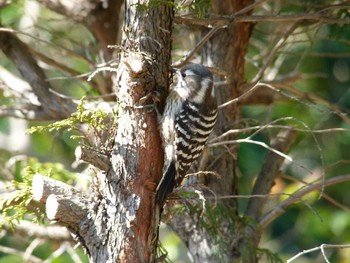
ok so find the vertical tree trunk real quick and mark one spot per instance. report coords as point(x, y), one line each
point(123, 222)
point(225, 51)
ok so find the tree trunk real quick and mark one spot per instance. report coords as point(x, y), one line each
point(225, 51)
point(126, 211)
point(119, 222)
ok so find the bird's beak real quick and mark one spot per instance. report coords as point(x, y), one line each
point(173, 70)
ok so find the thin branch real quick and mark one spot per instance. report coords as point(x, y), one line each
point(313, 136)
point(342, 55)
point(324, 195)
point(12, 251)
point(101, 69)
point(332, 109)
point(29, 250)
point(254, 84)
point(291, 18)
point(249, 7)
point(73, 254)
point(58, 252)
point(22, 112)
point(227, 20)
point(98, 81)
point(281, 208)
point(245, 94)
point(65, 50)
point(248, 196)
point(269, 126)
point(53, 62)
point(246, 140)
point(200, 44)
point(21, 56)
point(269, 171)
point(321, 248)
point(273, 52)
point(15, 86)
point(26, 228)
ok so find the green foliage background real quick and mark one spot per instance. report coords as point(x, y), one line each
point(319, 52)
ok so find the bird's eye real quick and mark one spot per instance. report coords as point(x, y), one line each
point(183, 74)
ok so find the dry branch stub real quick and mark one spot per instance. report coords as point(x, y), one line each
point(43, 186)
point(66, 209)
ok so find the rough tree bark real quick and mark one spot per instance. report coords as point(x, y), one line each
point(119, 223)
point(226, 51)
point(231, 59)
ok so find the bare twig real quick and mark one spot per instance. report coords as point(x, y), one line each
point(281, 208)
point(342, 55)
point(13, 85)
point(66, 50)
point(12, 251)
point(21, 112)
point(247, 140)
point(227, 20)
point(291, 18)
point(73, 254)
point(107, 68)
point(29, 250)
point(270, 126)
point(321, 248)
point(306, 128)
point(269, 171)
point(249, 7)
point(332, 108)
point(21, 56)
point(324, 195)
point(26, 228)
point(245, 94)
point(273, 52)
point(53, 62)
point(59, 251)
point(200, 44)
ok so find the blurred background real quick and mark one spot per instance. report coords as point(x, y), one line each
point(310, 74)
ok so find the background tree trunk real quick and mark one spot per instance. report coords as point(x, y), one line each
point(225, 51)
point(230, 57)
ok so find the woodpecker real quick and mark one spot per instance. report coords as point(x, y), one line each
point(188, 119)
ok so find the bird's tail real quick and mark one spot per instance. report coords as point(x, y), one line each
point(166, 185)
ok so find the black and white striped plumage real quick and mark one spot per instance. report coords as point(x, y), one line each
point(188, 119)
